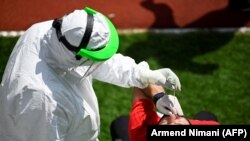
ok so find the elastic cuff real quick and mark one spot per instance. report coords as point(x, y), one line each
point(158, 96)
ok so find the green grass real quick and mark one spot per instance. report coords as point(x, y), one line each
point(6, 46)
point(213, 69)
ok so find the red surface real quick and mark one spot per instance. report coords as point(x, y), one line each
point(19, 14)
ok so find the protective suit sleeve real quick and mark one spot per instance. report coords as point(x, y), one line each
point(121, 71)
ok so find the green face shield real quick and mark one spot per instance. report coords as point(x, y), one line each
point(106, 52)
point(81, 51)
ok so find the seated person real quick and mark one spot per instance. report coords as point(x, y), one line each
point(143, 113)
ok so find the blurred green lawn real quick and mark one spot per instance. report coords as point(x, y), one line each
point(213, 69)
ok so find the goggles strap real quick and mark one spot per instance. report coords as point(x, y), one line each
point(57, 24)
point(88, 31)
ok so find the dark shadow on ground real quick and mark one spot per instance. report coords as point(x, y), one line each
point(180, 50)
point(162, 12)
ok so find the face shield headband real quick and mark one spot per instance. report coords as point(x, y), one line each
point(100, 54)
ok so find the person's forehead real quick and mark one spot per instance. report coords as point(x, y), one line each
point(164, 117)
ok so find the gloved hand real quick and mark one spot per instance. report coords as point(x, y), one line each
point(172, 81)
point(164, 77)
point(167, 104)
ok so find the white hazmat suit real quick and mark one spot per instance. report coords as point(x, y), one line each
point(47, 95)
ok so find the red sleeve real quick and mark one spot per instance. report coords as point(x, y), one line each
point(142, 114)
point(203, 122)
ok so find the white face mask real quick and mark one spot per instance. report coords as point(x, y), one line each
point(84, 69)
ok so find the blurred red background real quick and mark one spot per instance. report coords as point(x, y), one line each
point(127, 14)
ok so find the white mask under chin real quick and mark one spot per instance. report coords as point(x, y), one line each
point(84, 69)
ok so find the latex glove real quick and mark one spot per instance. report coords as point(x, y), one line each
point(164, 77)
point(167, 104)
point(172, 82)
point(147, 76)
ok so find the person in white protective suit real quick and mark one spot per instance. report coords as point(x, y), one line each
point(46, 93)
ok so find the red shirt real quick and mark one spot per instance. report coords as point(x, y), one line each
point(143, 113)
